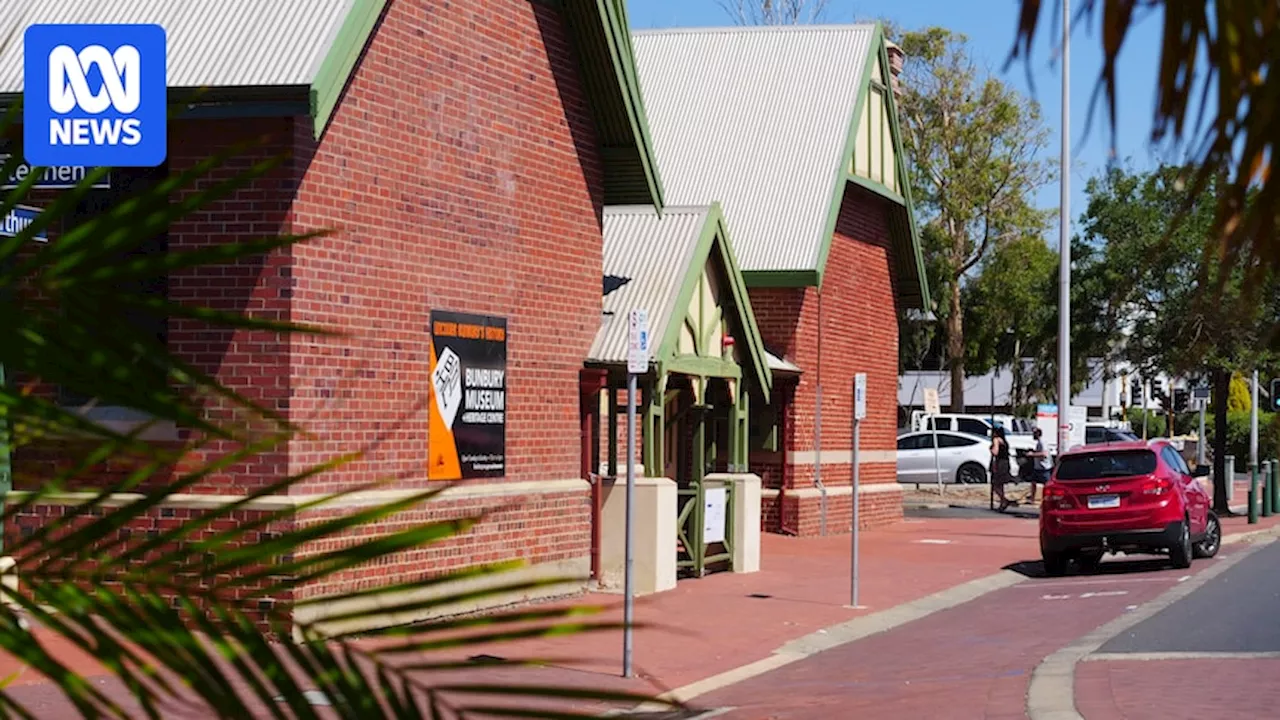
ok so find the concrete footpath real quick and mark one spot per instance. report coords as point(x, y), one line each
point(925, 582)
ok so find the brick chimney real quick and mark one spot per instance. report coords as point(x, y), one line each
point(896, 58)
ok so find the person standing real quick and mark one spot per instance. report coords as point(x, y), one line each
point(1000, 466)
point(1041, 465)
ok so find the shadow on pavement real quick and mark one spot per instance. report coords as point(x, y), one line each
point(1035, 569)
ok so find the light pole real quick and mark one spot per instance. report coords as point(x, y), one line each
point(1064, 242)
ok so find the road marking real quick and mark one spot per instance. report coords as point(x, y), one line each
point(931, 541)
point(1054, 597)
point(1051, 693)
point(1112, 657)
point(1105, 593)
point(1184, 578)
point(1118, 579)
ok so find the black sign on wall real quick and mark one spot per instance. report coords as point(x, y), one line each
point(467, 420)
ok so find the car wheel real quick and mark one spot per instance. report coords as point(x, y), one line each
point(971, 474)
point(1055, 564)
point(1212, 540)
point(1089, 561)
point(1180, 553)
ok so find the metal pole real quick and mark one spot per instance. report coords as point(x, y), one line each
point(1200, 439)
point(1146, 393)
point(1064, 242)
point(1229, 469)
point(628, 611)
point(1253, 424)
point(853, 562)
point(937, 464)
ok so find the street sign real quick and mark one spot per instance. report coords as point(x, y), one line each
point(58, 177)
point(18, 219)
point(1077, 415)
point(1047, 421)
point(931, 405)
point(638, 346)
point(860, 396)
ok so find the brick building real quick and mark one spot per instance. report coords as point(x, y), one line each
point(794, 132)
point(463, 154)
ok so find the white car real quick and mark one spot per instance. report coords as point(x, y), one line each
point(961, 457)
point(1017, 430)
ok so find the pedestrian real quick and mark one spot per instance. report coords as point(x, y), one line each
point(1000, 466)
point(1041, 465)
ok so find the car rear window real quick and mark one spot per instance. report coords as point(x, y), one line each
point(1095, 466)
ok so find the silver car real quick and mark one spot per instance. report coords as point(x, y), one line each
point(961, 457)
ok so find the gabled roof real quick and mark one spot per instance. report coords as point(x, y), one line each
point(763, 120)
point(302, 53)
point(652, 262)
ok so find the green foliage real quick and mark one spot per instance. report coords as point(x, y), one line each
point(1214, 67)
point(1240, 398)
point(973, 142)
point(1238, 431)
point(175, 617)
point(1157, 422)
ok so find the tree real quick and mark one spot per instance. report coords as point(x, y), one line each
point(973, 144)
point(1215, 63)
point(1239, 399)
point(774, 12)
point(1154, 273)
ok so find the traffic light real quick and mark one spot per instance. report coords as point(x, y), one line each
point(1135, 392)
point(1275, 394)
point(1180, 398)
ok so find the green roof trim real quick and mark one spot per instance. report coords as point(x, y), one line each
point(340, 62)
point(909, 255)
point(781, 278)
point(715, 235)
point(602, 37)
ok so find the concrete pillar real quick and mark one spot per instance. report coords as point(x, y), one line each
point(655, 534)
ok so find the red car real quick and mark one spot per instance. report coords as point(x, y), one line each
point(1132, 497)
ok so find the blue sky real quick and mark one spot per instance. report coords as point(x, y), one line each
point(989, 25)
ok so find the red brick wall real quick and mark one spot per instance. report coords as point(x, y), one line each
point(855, 313)
point(462, 172)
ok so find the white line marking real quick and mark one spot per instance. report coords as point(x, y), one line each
point(1104, 593)
point(1054, 597)
point(930, 541)
point(1184, 578)
point(1111, 657)
point(1119, 579)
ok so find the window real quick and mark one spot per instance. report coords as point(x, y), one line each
point(1099, 465)
point(974, 427)
point(1175, 460)
point(1095, 435)
point(913, 442)
point(952, 441)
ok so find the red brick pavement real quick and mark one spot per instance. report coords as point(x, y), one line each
point(1223, 689)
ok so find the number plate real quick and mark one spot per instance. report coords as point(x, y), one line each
point(1103, 501)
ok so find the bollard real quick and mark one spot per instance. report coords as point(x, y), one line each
point(1275, 486)
point(1253, 495)
point(1229, 470)
point(1264, 495)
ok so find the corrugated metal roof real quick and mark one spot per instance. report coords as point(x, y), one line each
point(652, 254)
point(217, 43)
point(757, 119)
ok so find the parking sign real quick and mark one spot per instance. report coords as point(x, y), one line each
point(95, 95)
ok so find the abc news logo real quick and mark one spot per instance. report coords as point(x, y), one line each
point(69, 90)
point(95, 95)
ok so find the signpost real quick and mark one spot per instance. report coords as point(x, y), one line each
point(1047, 421)
point(1077, 416)
point(1200, 401)
point(859, 412)
point(637, 364)
point(931, 410)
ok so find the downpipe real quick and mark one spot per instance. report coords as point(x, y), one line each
point(817, 433)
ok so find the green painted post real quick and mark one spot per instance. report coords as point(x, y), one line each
point(1253, 495)
point(1275, 486)
point(1264, 496)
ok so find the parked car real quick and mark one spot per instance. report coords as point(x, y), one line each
point(1133, 497)
point(1103, 433)
point(1017, 430)
point(961, 457)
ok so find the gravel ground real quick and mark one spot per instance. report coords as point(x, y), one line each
point(962, 495)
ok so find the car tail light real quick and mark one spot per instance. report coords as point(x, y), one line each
point(1156, 486)
point(1056, 497)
